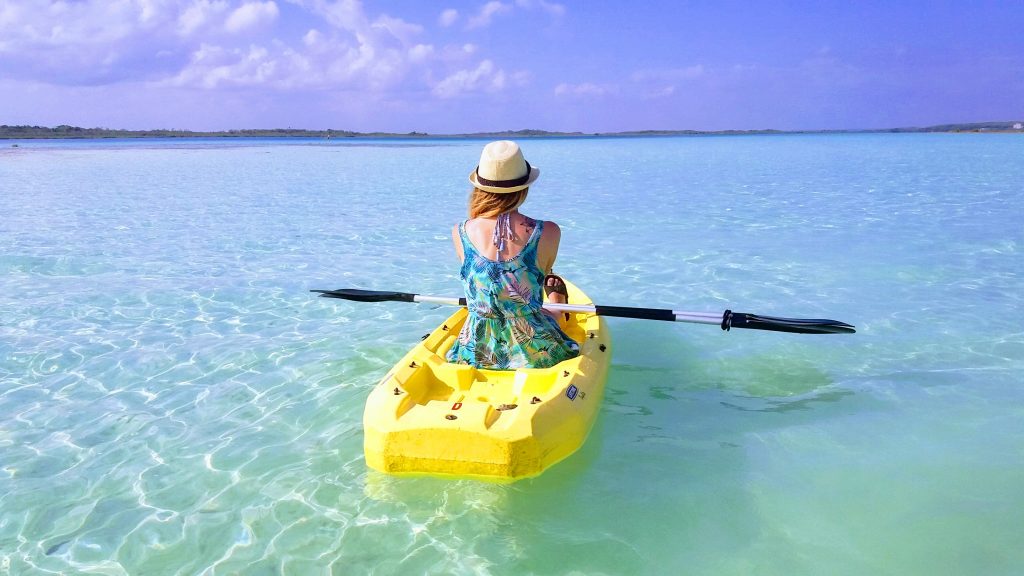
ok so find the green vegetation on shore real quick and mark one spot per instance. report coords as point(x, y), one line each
point(65, 131)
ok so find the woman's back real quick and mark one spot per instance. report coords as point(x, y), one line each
point(506, 328)
point(481, 234)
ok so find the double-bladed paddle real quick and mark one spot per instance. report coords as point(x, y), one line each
point(726, 320)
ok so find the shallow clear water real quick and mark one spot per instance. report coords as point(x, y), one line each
point(175, 401)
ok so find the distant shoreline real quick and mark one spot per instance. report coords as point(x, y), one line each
point(75, 132)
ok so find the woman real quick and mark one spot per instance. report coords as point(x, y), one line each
point(506, 261)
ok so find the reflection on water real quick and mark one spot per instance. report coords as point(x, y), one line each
point(763, 405)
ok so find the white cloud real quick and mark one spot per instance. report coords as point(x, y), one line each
point(448, 17)
point(551, 8)
point(150, 10)
point(669, 74)
point(88, 42)
point(251, 15)
point(484, 78)
point(398, 28)
point(208, 45)
point(663, 82)
point(214, 66)
point(199, 14)
point(663, 92)
point(312, 37)
point(369, 57)
point(27, 24)
point(420, 52)
point(354, 51)
point(487, 13)
point(343, 14)
point(450, 57)
point(583, 89)
point(520, 78)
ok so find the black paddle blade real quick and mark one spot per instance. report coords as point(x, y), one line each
point(795, 325)
point(366, 295)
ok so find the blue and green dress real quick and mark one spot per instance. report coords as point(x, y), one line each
point(506, 328)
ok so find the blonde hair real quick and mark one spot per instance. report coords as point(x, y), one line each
point(487, 204)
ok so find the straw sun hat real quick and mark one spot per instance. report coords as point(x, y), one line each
point(503, 169)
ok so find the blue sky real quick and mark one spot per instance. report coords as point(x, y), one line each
point(464, 66)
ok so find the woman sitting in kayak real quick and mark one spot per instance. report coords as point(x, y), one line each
point(506, 261)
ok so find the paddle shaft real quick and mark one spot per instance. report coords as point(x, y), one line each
point(726, 320)
point(618, 311)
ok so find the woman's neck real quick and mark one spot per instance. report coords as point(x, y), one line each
point(514, 213)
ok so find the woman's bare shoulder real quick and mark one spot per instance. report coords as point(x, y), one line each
point(548, 248)
point(551, 230)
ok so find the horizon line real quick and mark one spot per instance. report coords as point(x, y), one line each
point(69, 131)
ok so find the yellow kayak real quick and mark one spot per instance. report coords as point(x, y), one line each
point(428, 416)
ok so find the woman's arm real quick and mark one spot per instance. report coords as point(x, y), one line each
point(548, 249)
point(458, 243)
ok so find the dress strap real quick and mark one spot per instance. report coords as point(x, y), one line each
point(467, 246)
point(534, 238)
point(531, 243)
point(502, 232)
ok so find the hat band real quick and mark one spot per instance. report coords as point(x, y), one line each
point(504, 183)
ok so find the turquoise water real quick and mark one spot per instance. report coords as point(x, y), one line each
point(174, 401)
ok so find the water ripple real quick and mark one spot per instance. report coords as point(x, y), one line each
point(175, 401)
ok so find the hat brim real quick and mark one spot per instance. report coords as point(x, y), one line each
point(534, 174)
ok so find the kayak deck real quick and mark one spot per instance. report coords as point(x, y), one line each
point(429, 416)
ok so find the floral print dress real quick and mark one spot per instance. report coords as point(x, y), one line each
point(506, 328)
